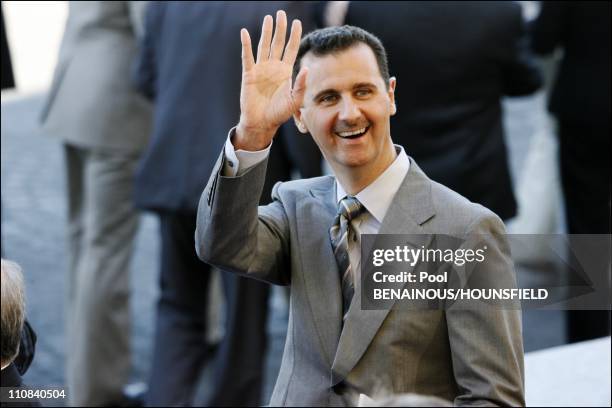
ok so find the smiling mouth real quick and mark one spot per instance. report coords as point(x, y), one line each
point(353, 134)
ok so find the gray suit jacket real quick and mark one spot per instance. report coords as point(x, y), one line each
point(470, 357)
point(91, 102)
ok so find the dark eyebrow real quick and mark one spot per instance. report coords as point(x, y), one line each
point(363, 85)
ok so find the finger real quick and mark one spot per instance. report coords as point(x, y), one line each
point(263, 49)
point(247, 51)
point(294, 42)
point(278, 42)
point(299, 89)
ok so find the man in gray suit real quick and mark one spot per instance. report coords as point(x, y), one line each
point(104, 125)
point(343, 96)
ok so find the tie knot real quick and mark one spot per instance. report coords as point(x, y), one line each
point(350, 208)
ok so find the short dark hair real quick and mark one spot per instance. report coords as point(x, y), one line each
point(331, 40)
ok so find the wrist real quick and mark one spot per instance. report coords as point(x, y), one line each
point(252, 138)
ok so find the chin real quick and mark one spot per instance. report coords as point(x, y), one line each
point(355, 161)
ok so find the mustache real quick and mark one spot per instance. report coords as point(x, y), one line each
point(348, 127)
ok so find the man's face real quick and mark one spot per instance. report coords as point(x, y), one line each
point(346, 109)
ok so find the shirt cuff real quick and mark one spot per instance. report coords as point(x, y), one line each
point(237, 162)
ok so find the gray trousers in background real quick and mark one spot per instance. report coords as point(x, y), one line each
point(102, 224)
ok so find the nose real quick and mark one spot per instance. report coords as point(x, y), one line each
point(349, 110)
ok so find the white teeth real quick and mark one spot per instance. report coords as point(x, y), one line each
point(352, 133)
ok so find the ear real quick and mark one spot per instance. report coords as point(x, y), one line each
point(297, 118)
point(391, 92)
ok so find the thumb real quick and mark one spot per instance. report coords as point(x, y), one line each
point(299, 89)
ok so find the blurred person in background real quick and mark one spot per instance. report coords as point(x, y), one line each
point(455, 61)
point(188, 67)
point(13, 328)
point(580, 101)
point(104, 125)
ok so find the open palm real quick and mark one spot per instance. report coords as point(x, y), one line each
point(267, 99)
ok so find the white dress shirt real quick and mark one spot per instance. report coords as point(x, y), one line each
point(237, 162)
point(376, 197)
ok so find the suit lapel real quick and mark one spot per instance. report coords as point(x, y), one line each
point(411, 207)
point(319, 268)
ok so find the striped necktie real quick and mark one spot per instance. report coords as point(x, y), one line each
point(340, 232)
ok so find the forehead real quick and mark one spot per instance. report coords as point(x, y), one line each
point(356, 64)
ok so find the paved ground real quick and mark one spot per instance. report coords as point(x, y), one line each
point(33, 234)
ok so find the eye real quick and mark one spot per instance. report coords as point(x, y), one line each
point(329, 98)
point(363, 92)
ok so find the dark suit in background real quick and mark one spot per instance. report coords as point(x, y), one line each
point(27, 348)
point(454, 61)
point(190, 66)
point(580, 101)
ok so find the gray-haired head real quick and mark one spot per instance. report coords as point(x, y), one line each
point(13, 310)
point(333, 40)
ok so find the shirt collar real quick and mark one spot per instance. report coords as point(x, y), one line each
point(377, 196)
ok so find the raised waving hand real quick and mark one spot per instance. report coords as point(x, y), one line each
point(267, 97)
